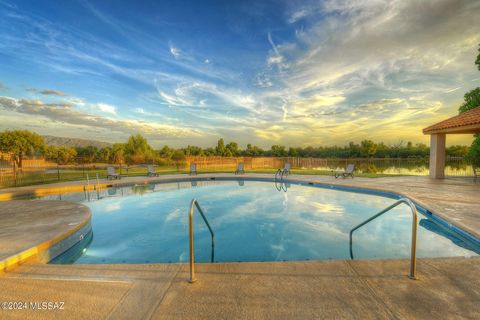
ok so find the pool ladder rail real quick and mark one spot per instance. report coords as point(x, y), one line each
point(413, 250)
point(194, 204)
point(87, 188)
point(279, 174)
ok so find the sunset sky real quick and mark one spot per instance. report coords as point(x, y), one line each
point(295, 73)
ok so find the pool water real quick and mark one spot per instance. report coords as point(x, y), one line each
point(252, 221)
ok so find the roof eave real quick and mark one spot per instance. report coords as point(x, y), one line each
point(469, 129)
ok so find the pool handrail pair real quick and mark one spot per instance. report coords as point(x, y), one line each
point(413, 250)
point(194, 204)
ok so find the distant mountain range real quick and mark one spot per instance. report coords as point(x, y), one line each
point(73, 142)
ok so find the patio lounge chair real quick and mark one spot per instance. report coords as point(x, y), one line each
point(151, 171)
point(111, 174)
point(347, 173)
point(240, 168)
point(193, 169)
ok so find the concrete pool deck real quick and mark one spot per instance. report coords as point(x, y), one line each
point(30, 230)
point(447, 287)
point(373, 289)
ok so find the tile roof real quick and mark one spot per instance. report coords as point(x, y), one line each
point(467, 122)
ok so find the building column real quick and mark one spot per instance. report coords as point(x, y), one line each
point(437, 156)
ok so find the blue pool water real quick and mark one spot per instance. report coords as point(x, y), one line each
point(252, 221)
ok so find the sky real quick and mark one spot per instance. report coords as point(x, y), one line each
point(294, 73)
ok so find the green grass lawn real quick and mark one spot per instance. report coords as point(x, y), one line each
point(51, 176)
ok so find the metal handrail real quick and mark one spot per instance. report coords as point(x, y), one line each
point(194, 204)
point(413, 251)
point(279, 172)
point(280, 186)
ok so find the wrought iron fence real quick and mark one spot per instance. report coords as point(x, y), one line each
point(455, 166)
point(40, 171)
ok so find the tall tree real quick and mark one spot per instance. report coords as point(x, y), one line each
point(278, 151)
point(166, 152)
point(137, 144)
point(369, 148)
point(477, 62)
point(118, 153)
point(220, 149)
point(89, 153)
point(137, 149)
point(60, 155)
point(232, 147)
point(179, 158)
point(472, 100)
point(21, 143)
point(105, 154)
point(474, 153)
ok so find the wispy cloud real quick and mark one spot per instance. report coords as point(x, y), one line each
point(52, 92)
point(175, 52)
point(453, 90)
point(275, 58)
point(387, 76)
point(48, 92)
point(66, 113)
point(8, 5)
point(106, 108)
point(297, 15)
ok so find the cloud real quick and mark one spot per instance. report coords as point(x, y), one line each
point(106, 108)
point(52, 93)
point(66, 113)
point(139, 110)
point(394, 41)
point(48, 92)
point(263, 81)
point(175, 52)
point(368, 69)
point(453, 90)
point(297, 15)
point(309, 106)
point(275, 58)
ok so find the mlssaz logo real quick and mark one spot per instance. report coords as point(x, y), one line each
point(47, 305)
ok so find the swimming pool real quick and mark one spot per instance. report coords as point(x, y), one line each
point(252, 221)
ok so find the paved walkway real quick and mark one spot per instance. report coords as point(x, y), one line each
point(446, 289)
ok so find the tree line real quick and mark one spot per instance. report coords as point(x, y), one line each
point(137, 150)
